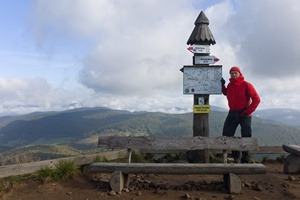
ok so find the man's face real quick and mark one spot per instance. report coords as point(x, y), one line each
point(234, 74)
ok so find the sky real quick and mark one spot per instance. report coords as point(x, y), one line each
point(65, 54)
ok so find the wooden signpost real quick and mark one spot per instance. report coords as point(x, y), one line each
point(200, 40)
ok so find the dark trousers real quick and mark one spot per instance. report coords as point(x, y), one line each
point(231, 123)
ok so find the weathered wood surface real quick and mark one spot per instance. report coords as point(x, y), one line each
point(179, 168)
point(260, 150)
point(269, 150)
point(26, 168)
point(293, 149)
point(292, 164)
point(178, 143)
point(234, 184)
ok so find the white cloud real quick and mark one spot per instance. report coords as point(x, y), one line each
point(267, 36)
point(20, 96)
point(127, 54)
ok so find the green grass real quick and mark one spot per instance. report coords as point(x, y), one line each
point(45, 174)
point(8, 183)
point(136, 157)
point(64, 170)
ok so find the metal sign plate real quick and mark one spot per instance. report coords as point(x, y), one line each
point(205, 60)
point(199, 49)
point(202, 79)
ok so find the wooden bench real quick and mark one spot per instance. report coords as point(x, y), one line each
point(120, 179)
point(292, 162)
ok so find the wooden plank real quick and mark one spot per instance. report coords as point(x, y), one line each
point(178, 168)
point(269, 150)
point(178, 143)
point(260, 150)
point(26, 168)
point(293, 149)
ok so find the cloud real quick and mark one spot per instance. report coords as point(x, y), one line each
point(131, 51)
point(136, 52)
point(266, 33)
point(19, 96)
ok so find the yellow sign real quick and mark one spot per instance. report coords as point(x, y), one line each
point(201, 108)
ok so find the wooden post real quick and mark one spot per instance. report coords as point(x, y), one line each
point(201, 121)
point(201, 35)
point(201, 128)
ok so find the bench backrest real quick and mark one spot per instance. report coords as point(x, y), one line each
point(178, 143)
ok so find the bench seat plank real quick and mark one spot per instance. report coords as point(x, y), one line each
point(293, 149)
point(178, 168)
point(178, 143)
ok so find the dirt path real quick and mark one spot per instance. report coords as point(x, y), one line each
point(274, 185)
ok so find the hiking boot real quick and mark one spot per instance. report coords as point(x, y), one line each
point(244, 160)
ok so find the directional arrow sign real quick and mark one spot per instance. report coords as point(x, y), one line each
point(199, 49)
point(205, 60)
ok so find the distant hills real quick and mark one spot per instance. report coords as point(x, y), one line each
point(281, 115)
point(76, 131)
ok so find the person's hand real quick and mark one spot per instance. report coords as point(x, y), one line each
point(223, 81)
point(245, 114)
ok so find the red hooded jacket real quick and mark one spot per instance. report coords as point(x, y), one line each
point(241, 96)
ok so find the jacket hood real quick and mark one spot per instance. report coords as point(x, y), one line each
point(237, 81)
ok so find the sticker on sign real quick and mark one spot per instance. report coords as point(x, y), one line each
point(199, 49)
point(201, 109)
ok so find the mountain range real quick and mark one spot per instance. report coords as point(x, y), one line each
point(77, 131)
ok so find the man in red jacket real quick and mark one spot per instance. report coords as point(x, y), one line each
point(242, 101)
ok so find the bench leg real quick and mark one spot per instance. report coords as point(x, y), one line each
point(117, 181)
point(292, 164)
point(126, 180)
point(232, 183)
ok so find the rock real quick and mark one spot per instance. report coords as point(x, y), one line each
point(257, 187)
point(153, 185)
point(112, 193)
point(292, 178)
point(285, 185)
point(187, 196)
point(247, 184)
point(131, 188)
point(139, 193)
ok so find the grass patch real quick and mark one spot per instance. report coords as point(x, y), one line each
point(65, 169)
point(8, 183)
point(279, 159)
point(136, 157)
point(45, 174)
